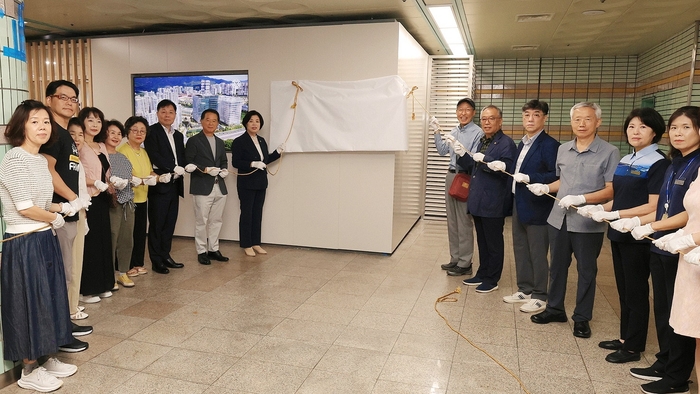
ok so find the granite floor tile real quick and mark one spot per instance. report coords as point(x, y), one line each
point(253, 376)
point(191, 366)
point(131, 355)
point(287, 351)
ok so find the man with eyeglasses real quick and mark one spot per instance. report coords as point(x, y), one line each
point(490, 199)
point(586, 166)
point(63, 162)
point(536, 163)
point(460, 229)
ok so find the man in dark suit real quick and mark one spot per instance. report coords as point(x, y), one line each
point(166, 149)
point(206, 161)
point(536, 162)
point(490, 199)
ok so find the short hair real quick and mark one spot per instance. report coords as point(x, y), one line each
point(132, 121)
point(211, 111)
point(587, 104)
point(76, 122)
point(537, 105)
point(500, 113)
point(249, 115)
point(690, 111)
point(468, 101)
point(85, 113)
point(649, 117)
point(116, 123)
point(166, 103)
point(14, 131)
point(53, 86)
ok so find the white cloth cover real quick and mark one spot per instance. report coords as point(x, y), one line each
point(366, 115)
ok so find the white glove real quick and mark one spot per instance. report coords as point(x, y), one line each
point(136, 181)
point(538, 189)
point(118, 183)
point(680, 243)
point(86, 202)
point(191, 167)
point(281, 148)
point(434, 125)
point(571, 200)
point(603, 215)
point(587, 210)
point(459, 148)
point(496, 165)
point(640, 232)
point(626, 225)
point(77, 204)
point(101, 186)
point(258, 164)
point(67, 209)
point(165, 178)
point(521, 178)
point(223, 173)
point(179, 171)
point(478, 156)
point(150, 180)
point(213, 171)
point(450, 139)
point(662, 243)
point(58, 222)
point(693, 257)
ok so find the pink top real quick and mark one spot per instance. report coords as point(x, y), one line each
point(92, 165)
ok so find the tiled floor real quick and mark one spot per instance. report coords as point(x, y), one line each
point(317, 321)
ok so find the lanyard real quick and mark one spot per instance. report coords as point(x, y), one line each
point(669, 187)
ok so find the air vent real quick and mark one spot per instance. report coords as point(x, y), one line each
point(535, 17)
point(524, 47)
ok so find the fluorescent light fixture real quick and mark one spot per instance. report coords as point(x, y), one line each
point(445, 18)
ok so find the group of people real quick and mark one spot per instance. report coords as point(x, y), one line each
point(82, 196)
point(563, 198)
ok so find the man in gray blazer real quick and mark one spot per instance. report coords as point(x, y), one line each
point(207, 163)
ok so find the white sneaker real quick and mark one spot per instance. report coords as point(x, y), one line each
point(59, 369)
point(39, 380)
point(106, 294)
point(516, 297)
point(533, 306)
point(79, 315)
point(89, 299)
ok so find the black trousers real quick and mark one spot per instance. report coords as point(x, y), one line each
point(140, 223)
point(489, 239)
point(586, 248)
point(676, 355)
point(162, 216)
point(631, 264)
point(250, 222)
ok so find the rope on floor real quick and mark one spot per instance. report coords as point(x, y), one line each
point(448, 298)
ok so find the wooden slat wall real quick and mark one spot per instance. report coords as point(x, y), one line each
point(63, 59)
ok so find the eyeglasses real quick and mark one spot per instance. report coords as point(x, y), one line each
point(490, 119)
point(138, 132)
point(63, 97)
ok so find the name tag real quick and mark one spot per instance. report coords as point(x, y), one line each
point(679, 182)
point(636, 172)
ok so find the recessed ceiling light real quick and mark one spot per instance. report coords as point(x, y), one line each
point(593, 12)
point(444, 17)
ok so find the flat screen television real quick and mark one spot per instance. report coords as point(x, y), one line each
point(193, 92)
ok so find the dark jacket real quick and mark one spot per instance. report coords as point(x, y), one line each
point(161, 155)
point(198, 152)
point(540, 165)
point(489, 192)
point(243, 152)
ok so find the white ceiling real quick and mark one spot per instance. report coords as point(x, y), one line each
point(627, 27)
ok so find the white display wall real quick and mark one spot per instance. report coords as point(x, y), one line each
point(364, 201)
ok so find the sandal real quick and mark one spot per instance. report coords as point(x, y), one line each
point(132, 273)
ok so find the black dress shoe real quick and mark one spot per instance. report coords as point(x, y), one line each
point(448, 266)
point(79, 331)
point(615, 344)
point(203, 259)
point(582, 329)
point(548, 317)
point(172, 264)
point(217, 256)
point(622, 356)
point(459, 271)
point(160, 268)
